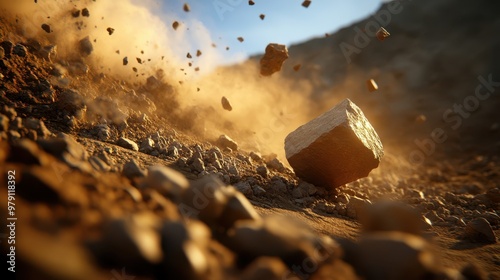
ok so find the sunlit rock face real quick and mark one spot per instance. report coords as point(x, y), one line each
point(335, 148)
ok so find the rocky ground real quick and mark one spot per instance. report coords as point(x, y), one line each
point(108, 187)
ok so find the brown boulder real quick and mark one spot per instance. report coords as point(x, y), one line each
point(335, 148)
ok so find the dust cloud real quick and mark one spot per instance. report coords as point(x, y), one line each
point(265, 109)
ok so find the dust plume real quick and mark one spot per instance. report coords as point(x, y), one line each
point(265, 110)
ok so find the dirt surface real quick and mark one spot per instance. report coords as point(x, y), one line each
point(82, 142)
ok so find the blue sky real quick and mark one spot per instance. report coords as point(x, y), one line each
point(286, 21)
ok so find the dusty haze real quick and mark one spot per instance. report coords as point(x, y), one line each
point(265, 109)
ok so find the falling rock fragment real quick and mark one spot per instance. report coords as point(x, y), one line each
point(125, 61)
point(46, 28)
point(273, 59)
point(225, 104)
point(306, 3)
point(480, 230)
point(85, 12)
point(175, 25)
point(251, 3)
point(75, 13)
point(371, 85)
point(336, 148)
point(297, 67)
point(186, 7)
point(110, 30)
point(382, 34)
point(241, 39)
point(262, 16)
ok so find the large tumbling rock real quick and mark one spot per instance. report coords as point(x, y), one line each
point(335, 148)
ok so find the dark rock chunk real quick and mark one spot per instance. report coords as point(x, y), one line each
point(273, 59)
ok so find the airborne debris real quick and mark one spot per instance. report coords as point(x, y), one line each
point(262, 16)
point(273, 59)
point(46, 28)
point(139, 60)
point(85, 12)
point(241, 39)
point(186, 7)
point(225, 104)
point(297, 67)
point(189, 55)
point(110, 30)
point(125, 61)
point(197, 69)
point(382, 34)
point(306, 3)
point(75, 13)
point(372, 85)
point(198, 53)
point(251, 3)
point(175, 25)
